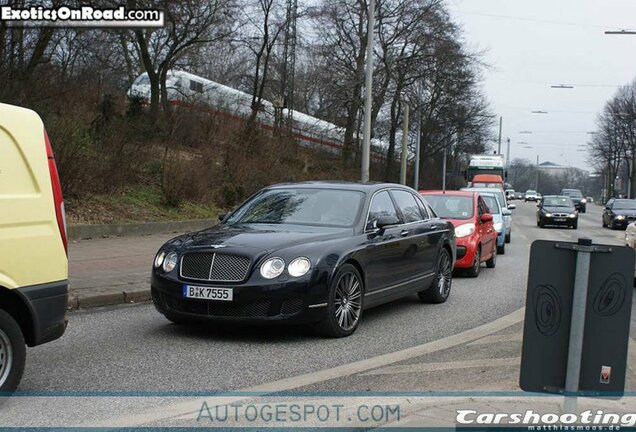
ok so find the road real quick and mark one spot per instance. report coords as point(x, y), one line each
point(133, 348)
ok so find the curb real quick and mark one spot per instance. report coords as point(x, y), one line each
point(91, 299)
point(88, 231)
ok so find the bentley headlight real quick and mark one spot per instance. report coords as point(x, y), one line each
point(159, 259)
point(572, 215)
point(583, 200)
point(548, 214)
point(299, 267)
point(170, 262)
point(498, 226)
point(464, 230)
point(620, 217)
point(272, 268)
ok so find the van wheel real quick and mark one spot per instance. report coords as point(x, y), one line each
point(12, 353)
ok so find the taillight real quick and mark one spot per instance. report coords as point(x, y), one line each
point(58, 199)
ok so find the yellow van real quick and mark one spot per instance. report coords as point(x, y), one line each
point(33, 246)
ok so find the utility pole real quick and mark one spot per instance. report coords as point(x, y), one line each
point(630, 168)
point(416, 180)
point(289, 63)
point(500, 125)
point(508, 153)
point(368, 86)
point(405, 141)
point(537, 181)
point(444, 171)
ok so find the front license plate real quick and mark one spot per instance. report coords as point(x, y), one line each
point(208, 293)
point(559, 220)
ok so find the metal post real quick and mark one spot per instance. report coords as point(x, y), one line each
point(577, 326)
point(500, 125)
point(368, 86)
point(630, 168)
point(444, 171)
point(537, 185)
point(508, 154)
point(405, 141)
point(416, 180)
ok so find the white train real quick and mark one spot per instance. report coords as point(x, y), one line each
point(186, 89)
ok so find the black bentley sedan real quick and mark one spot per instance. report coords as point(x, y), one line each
point(315, 253)
point(557, 210)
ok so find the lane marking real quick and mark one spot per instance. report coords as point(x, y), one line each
point(513, 337)
point(432, 367)
point(192, 406)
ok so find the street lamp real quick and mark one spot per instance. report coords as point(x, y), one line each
point(562, 86)
point(525, 132)
point(538, 112)
point(368, 86)
point(620, 32)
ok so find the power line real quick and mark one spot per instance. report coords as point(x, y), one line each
point(550, 111)
point(552, 83)
point(535, 20)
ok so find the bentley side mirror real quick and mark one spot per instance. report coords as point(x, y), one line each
point(385, 221)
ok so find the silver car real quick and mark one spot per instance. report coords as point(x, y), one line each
point(507, 214)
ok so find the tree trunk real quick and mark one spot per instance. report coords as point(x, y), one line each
point(153, 77)
point(165, 101)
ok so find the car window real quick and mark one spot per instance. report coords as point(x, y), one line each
point(303, 206)
point(492, 203)
point(451, 206)
point(408, 205)
point(423, 210)
point(381, 205)
point(482, 207)
point(556, 202)
point(624, 205)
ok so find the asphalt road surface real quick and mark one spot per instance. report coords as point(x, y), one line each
point(133, 348)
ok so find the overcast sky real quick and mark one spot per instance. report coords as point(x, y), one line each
point(533, 44)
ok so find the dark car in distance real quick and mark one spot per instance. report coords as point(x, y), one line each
point(577, 198)
point(557, 210)
point(619, 213)
point(315, 253)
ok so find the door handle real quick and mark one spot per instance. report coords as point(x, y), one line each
point(433, 227)
point(404, 233)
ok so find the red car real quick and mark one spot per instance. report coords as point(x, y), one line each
point(474, 229)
